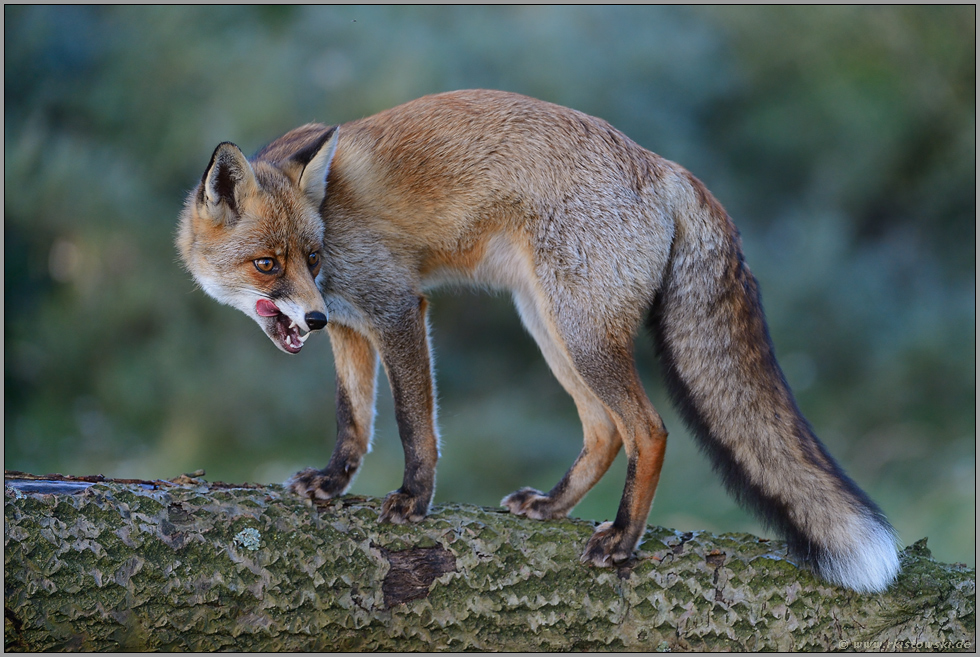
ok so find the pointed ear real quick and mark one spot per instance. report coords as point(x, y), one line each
point(315, 160)
point(229, 179)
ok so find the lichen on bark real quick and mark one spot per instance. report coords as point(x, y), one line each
point(197, 566)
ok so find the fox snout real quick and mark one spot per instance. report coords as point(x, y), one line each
point(284, 325)
point(314, 319)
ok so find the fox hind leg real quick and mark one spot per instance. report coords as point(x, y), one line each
point(601, 377)
point(611, 373)
point(601, 438)
point(601, 446)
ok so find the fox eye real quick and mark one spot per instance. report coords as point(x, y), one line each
point(266, 265)
point(313, 260)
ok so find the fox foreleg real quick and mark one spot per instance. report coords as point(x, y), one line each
point(357, 373)
point(406, 356)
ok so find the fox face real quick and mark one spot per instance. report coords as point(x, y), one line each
point(251, 234)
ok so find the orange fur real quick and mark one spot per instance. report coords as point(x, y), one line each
point(591, 234)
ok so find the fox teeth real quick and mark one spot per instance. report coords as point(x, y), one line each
point(292, 323)
point(304, 338)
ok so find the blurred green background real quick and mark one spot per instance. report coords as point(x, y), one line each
point(841, 140)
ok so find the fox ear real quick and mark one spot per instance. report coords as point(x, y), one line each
point(228, 180)
point(315, 160)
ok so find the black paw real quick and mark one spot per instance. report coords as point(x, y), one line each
point(531, 503)
point(400, 507)
point(317, 484)
point(609, 546)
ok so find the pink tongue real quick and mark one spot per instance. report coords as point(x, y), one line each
point(266, 308)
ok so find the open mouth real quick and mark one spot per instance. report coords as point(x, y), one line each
point(284, 331)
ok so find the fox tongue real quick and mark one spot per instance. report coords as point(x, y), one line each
point(266, 308)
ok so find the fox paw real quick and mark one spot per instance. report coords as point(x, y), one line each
point(531, 503)
point(400, 507)
point(608, 546)
point(316, 484)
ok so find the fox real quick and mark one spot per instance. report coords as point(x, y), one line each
point(344, 228)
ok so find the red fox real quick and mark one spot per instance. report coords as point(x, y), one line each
point(345, 227)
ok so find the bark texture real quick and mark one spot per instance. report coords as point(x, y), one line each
point(197, 566)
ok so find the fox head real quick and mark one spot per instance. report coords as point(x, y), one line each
point(251, 234)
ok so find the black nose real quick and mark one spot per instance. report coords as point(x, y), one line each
point(316, 320)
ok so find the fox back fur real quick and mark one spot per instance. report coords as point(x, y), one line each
point(344, 228)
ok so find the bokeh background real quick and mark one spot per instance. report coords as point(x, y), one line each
point(841, 139)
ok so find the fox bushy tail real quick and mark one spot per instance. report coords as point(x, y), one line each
point(722, 372)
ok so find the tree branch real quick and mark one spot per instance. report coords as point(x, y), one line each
point(198, 566)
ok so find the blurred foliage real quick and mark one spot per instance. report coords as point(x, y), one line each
point(841, 139)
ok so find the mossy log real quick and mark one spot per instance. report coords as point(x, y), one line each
point(196, 566)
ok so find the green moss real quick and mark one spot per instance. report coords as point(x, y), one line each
point(176, 570)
